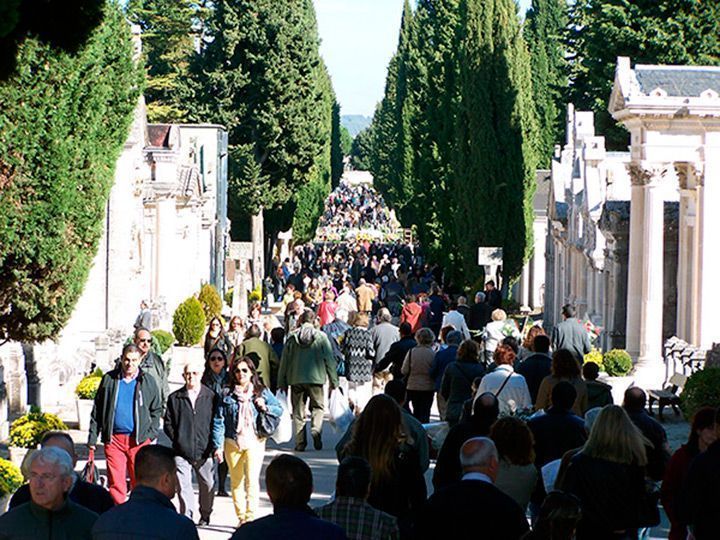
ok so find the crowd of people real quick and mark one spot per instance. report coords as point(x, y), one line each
point(535, 446)
point(352, 208)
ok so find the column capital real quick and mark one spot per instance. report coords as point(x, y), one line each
point(644, 174)
point(690, 175)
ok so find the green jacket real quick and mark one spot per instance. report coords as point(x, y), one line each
point(266, 361)
point(31, 522)
point(148, 408)
point(307, 358)
point(152, 364)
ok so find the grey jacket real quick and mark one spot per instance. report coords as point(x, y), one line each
point(571, 335)
point(384, 335)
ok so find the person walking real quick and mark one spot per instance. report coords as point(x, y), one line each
point(412, 313)
point(457, 320)
point(50, 513)
point(509, 387)
point(263, 355)
point(235, 432)
point(571, 335)
point(456, 387)
point(144, 318)
point(416, 369)
point(216, 378)
point(216, 338)
point(359, 351)
point(394, 357)
point(350, 509)
point(496, 331)
point(517, 475)
point(365, 296)
point(189, 426)
point(151, 363)
point(126, 415)
point(383, 334)
point(307, 363)
point(150, 512)
point(564, 368)
point(480, 313)
point(537, 365)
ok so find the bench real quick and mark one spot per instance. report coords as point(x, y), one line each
point(668, 395)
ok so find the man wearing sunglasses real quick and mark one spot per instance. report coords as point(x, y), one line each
point(151, 363)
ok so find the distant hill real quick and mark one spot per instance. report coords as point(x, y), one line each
point(355, 123)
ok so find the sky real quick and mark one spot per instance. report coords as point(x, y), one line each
point(358, 39)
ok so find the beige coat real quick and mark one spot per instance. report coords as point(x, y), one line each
point(416, 368)
point(365, 296)
point(544, 395)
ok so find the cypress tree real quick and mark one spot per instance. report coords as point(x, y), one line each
point(257, 74)
point(545, 25)
point(649, 32)
point(168, 43)
point(63, 120)
point(339, 139)
point(495, 128)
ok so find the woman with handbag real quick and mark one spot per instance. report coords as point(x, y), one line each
point(608, 476)
point(247, 415)
point(416, 369)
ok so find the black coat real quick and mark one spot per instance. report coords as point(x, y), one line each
point(534, 368)
point(700, 502)
point(190, 430)
point(555, 433)
point(479, 316)
point(395, 357)
point(447, 468)
point(611, 494)
point(471, 509)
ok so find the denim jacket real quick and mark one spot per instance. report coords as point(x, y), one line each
point(225, 423)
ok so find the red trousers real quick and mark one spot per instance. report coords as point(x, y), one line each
point(120, 454)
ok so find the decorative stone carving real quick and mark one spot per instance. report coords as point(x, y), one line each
point(642, 176)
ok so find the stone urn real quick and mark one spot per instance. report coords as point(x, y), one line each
point(618, 385)
point(84, 409)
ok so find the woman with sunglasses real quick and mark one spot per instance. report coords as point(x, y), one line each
point(216, 338)
point(235, 431)
point(215, 377)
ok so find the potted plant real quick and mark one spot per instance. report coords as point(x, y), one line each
point(618, 364)
point(11, 479)
point(26, 432)
point(702, 389)
point(85, 392)
point(189, 328)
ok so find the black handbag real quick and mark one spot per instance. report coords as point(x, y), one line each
point(266, 423)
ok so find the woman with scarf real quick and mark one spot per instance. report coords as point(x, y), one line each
point(235, 432)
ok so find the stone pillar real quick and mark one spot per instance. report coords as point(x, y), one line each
point(708, 294)
point(614, 224)
point(687, 282)
point(645, 285)
point(165, 234)
point(257, 225)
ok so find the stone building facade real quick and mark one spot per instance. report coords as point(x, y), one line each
point(165, 233)
point(628, 233)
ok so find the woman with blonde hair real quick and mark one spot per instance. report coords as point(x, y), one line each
point(608, 476)
point(527, 348)
point(496, 331)
point(397, 485)
point(416, 369)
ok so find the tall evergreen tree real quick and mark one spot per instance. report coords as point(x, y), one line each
point(257, 74)
point(647, 31)
point(544, 31)
point(340, 139)
point(495, 128)
point(168, 43)
point(63, 120)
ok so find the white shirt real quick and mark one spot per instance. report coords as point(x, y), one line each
point(477, 476)
point(455, 319)
point(514, 396)
point(193, 395)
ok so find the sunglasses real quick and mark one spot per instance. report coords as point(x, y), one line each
point(242, 370)
point(144, 340)
point(217, 359)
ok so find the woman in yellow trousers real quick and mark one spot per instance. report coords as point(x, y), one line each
point(235, 434)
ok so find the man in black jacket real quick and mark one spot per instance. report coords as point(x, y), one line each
point(537, 366)
point(126, 415)
point(480, 312)
point(473, 507)
point(188, 424)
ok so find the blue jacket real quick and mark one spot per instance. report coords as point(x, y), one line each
point(442, 360)
point(147, 514)
point(289, 523)
point(225, 424)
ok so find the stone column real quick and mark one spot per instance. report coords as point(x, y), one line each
point(708, 294)
point(257, 226)
point(645, 283)
point(165, 277)
point(687, 252)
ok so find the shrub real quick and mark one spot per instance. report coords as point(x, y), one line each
point(702, 389)
point(617, 363)
point(228, 296)
point(596, 357)
point(210, 300)
point(88, 386)
point(11, 477)
point(189, 322)
point(27, 430)
point(255, 295)
point(164, 340)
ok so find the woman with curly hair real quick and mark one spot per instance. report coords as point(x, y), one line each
point(528, 348)
point(397, 484)
point(517, 474)
point(509, 387)
point(564, 368)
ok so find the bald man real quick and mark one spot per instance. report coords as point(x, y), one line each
point(474, 506)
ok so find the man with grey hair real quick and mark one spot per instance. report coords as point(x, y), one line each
point(474, 506)
point(50, 513)
point(189, 426)
point(383, 334)
point(480, 312)
point(456, 319)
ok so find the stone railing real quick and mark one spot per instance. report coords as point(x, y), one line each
point(682, 357)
